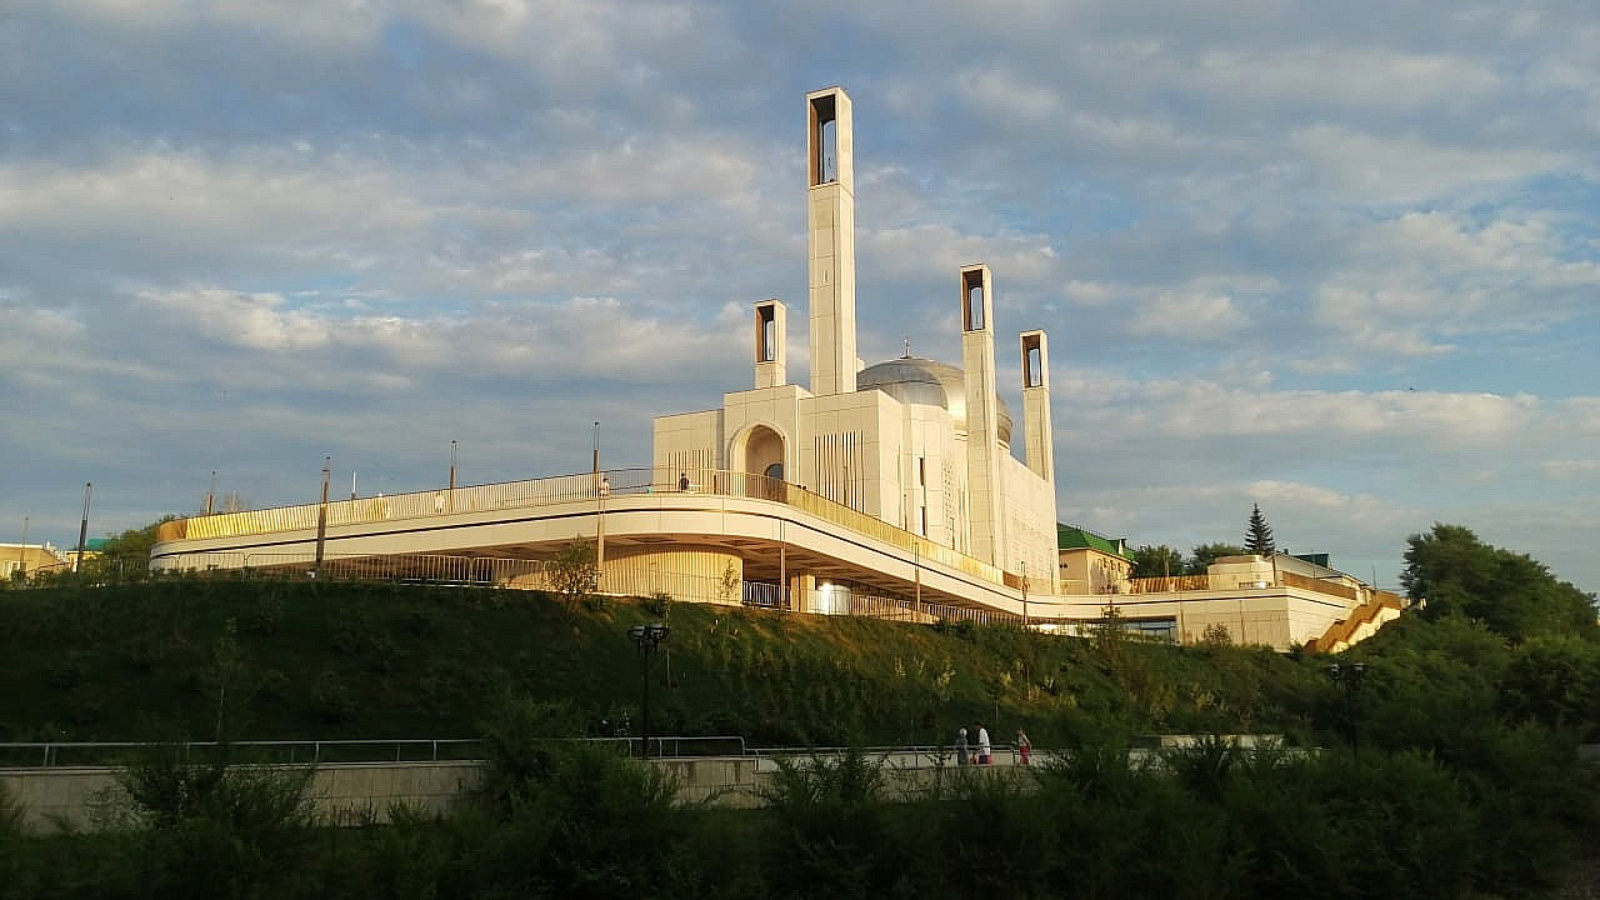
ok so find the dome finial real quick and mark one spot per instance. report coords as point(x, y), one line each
point(908, 348)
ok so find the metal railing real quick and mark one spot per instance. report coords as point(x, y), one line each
point(574, 488)
point(52, 754)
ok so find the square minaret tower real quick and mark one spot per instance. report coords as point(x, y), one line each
point(831, 241)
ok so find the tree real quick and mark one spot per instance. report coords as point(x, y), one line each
point(574, 573)
point(1511, 593)
point(1206, 554)
point(126, 556)
point(1156, 562)
point(1258, 539)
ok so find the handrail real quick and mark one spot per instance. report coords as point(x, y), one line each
point(1341, 630)
point(49, 752)
point(573, 488)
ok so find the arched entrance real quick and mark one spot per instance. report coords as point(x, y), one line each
point(763, 453)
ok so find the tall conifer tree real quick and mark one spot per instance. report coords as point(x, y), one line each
point(1258, 539)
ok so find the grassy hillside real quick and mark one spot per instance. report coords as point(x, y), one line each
point(277, 660)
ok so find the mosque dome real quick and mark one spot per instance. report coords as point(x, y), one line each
point(913, 379)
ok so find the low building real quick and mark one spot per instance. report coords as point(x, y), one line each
point(1091, 563)
point(17, 560)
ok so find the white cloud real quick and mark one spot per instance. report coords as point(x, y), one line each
point(1563, 469)
point(1188, 316)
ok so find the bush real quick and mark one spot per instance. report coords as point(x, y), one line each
point(216, 830)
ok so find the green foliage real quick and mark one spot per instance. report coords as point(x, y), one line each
point(1201, 558)
point(1156, 562)
point(659, 604)
point(574, 572)
point(214, 829)
point(829, 835)
point(1457, 574)
point(1554, 680)
point(1258, 535)
point(125, 557)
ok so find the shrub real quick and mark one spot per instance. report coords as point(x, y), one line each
point(217, 830)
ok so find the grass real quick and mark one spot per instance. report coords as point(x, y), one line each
point(192, 658)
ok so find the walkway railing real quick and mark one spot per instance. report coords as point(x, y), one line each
point(52, 754)
point(575, 488)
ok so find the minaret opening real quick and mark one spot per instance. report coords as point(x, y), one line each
point(766, 334)
point(1032, 361)
point(972, 301)
point(825, 141)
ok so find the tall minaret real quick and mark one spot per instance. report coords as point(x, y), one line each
point(1040, 442)
point(983, 432)
point(831, 241)
point(1040, 433)
point(772, 321)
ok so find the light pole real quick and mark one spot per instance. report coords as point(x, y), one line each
point(648, 639)
point(1024, 593)
point(602, 487)
point(83, 526)
point(453, 447)
point(22, 555)
point(322, 516)
point(1348, 677)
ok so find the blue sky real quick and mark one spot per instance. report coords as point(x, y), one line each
point(1340, 260)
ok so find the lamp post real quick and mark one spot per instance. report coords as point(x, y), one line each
point(322, 516)
point(602, 487)
point(1024, 594)
point(1348, 677)
point(453, 446)
point(83, 527)
point(648, 639)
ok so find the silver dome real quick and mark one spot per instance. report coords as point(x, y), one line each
point(914, 379)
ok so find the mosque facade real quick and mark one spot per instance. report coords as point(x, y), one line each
point(919, 444)
point(896, 489)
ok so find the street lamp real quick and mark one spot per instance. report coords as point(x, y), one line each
point(1348, 677)
point(602, 489)
point(648, 639)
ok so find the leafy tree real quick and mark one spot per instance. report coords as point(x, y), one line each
point(574, 573)
point(1206, 554)
point(1258, 539)
point(1515, 596)
point(126, 556)
point(1156, 562)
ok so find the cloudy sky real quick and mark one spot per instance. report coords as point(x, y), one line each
point(1339, 259)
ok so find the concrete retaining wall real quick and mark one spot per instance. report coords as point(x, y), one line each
point(352, 793)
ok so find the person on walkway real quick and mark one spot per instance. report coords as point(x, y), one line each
point(984, 749)
point(1024, 747)
point(961, 747)
point(683, 481)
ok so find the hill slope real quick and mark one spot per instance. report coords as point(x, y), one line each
point(291, 660)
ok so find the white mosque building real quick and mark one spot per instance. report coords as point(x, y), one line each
point(890, 489)
point(918, 444)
